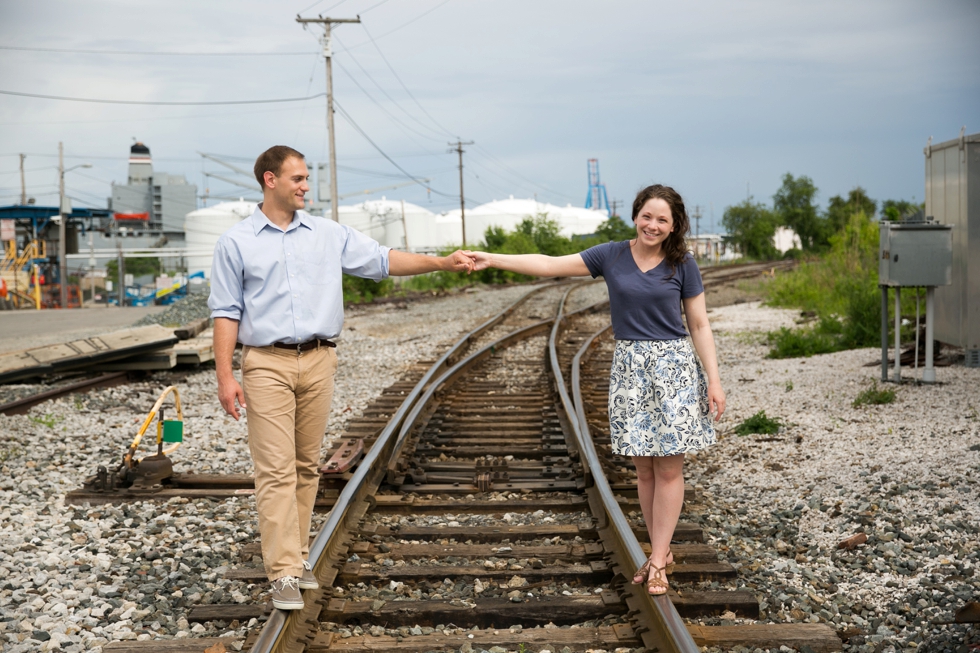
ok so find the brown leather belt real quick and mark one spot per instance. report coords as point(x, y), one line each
point(305, 346)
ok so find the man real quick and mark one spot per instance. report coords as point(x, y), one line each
point(276, 288)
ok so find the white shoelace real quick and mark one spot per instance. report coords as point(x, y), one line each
point(306, 565)
point(289, 582)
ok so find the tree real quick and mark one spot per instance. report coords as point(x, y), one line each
point(839, 210)
point(139, 266)
point(897, 209)
point(795, 207)
point(751, 227)
point(615, 229)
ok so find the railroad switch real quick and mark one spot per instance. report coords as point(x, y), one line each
point(150, 472)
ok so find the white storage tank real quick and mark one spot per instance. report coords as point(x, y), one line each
point(382, 220)
point(508, 213)
point(203, 227)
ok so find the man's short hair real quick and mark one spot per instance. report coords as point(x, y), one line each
point(271, 161)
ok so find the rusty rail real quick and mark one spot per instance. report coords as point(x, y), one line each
point(285, 631)
point(668, 632)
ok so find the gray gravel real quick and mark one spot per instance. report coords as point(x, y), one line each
point(75, 578)
point(905, 474)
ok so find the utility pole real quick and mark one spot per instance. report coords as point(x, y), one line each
point(62, 230)
point(327, 56)
point(23, 186)
point(462, 202)
point(615, 204)
point(697, 230)
point(405, 227)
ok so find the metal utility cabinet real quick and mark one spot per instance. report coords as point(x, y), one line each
point(912, 253)
point(953, 198)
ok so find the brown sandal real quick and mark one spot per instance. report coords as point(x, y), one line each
point(657, 580)
point(643, 572)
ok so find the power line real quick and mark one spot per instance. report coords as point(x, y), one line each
point(387, 63)
point(403, 25)
point(353, 124)
point(156, 53)
point(154, 103)
point(393, 101)
point(378, 104)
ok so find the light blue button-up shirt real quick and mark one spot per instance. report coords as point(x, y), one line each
point(286, 285)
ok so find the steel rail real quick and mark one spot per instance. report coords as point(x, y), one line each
point(668, 632)
point(24, 404)
point(284, 630)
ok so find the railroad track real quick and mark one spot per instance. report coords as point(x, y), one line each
point(487, 510)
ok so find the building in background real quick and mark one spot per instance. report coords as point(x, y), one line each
point(152, 201)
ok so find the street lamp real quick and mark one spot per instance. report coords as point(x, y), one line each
point(64, 211)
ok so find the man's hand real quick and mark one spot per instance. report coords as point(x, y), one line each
point(481, 260)
point(458, 261)
point(228, 391)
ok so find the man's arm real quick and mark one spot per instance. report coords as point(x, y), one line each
point(225, 339)
point(403, 264)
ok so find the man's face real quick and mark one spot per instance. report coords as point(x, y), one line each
point(290, 187)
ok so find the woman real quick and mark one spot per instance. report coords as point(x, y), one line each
point(660, 403)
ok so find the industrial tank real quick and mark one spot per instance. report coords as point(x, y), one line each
point(203, 227)
point(507, 214)
point(382, 220)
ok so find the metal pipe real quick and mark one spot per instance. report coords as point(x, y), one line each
point(929, 373)
point(884, 333)
point(915, 362)
point(898, 335)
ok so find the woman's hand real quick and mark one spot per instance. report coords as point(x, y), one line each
point(716, 399)
point(481, 260)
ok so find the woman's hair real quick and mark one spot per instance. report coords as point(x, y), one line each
point(675, 248)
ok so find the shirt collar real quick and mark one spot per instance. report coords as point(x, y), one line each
point(260, 221)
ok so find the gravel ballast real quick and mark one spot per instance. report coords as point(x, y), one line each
point(75, 577)
point(905, 474)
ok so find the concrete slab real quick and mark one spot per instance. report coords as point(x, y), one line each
point(25, 329)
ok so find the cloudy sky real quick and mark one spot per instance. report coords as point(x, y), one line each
point(718, 99)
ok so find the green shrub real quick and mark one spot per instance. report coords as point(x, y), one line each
point(759, 423)
point(874, 396)
point(800, 343)
point(357, 290)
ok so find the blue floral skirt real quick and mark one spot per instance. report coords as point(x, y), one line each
point(658, 399)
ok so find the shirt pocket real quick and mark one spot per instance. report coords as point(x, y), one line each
point(317, 267)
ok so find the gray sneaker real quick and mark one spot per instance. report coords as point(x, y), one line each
point(285, 594)
point(308, 581)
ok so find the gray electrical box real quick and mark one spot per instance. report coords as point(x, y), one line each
point(915, 252)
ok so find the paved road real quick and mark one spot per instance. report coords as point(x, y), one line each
point(26, 328)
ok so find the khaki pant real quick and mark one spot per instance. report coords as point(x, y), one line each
point(288, 397)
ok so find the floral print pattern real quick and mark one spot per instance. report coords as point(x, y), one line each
point(658, 399)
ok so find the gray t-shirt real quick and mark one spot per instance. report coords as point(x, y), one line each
point(644, 306)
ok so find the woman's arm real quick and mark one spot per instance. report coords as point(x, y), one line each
point(704, 343)
point(535, 265)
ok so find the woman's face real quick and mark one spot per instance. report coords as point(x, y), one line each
point(654, 223)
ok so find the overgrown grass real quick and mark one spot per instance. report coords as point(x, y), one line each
point(874, 396)
point(841, 288)
point(48, 420)
point(759, 423)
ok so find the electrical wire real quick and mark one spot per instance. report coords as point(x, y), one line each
point(318, 2)
point(159, 53)
point(391, 68)
point(380, 106)
point(154, 103)
point(353, 124)
point(393, 101)
point(403, 25)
